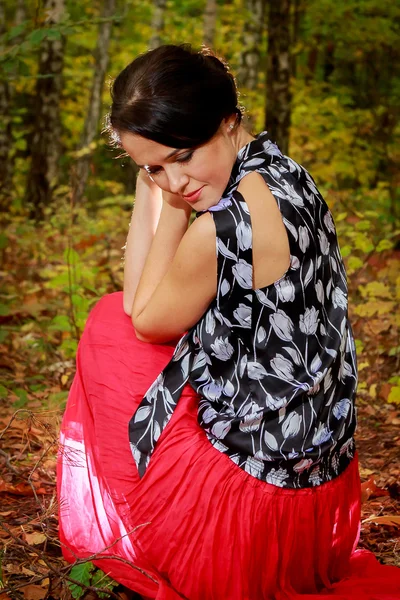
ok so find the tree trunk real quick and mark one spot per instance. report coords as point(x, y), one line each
point(278, 105)
point(46, 147)
point(20, 14)
point(329, 62)
point(209, 24)
point(249, 60)
point(5, 132)
point(93, 116)
point(298, 12)
point(157, 24)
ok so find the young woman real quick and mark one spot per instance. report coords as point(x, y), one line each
point(208, 448)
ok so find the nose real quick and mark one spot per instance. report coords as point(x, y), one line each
point(177, 179)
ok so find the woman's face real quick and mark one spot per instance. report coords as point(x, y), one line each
point(183, 171)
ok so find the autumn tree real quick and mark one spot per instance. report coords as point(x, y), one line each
point(94, 109)
point(209, 23)
point(46, 146)
point(157, 24)
point(5, 129)
point(249, 61)
point(278, 103)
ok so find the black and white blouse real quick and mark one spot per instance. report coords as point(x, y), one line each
point(275, 367)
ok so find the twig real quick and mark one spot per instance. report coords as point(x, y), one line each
point(78, 561)
point(33, 470)
point(8, 464)
point(14, 416)
point(58, 572)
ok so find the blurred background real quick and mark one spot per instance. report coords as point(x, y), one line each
point(322, 76)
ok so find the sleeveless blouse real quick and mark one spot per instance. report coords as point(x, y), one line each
point(275, 367)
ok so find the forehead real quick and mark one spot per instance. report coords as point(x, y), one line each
point(144, 151)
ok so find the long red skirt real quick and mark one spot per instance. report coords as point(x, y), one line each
point(196, 526)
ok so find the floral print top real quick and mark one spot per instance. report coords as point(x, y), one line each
point(275, 367)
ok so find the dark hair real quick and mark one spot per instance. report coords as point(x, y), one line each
point(173, 95)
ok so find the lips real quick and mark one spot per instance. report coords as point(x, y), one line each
point(193, 194)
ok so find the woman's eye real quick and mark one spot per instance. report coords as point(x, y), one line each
point(185, 158)
point(153, 170)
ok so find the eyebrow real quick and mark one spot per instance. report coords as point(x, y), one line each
point(166, 158)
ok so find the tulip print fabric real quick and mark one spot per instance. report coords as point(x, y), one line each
point(275, 367)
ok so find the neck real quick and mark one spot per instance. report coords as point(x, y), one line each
point(241, 137)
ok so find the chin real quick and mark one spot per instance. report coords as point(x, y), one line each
point(205, 204)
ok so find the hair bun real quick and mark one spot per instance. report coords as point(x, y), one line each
point(220, 63)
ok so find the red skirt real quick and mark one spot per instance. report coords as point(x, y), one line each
point(196, 526)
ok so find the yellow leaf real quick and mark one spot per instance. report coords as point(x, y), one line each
point(363, 365)
point(354, 263)
point(372, 391)
point(64, 379)
point(374, 307)
point(394, 395)
point(375, 289)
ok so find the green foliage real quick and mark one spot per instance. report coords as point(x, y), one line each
point(88, 575)
point(345, 131)
point(81, 573)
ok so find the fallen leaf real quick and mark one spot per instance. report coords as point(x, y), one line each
point(393, 520)
point(369, 489)
point(12, 569)
point(33, 539)
point(364, 472)
point(32, 592)
point(21, 489)
point(26, 571)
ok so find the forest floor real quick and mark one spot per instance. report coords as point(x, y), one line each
point(48, 293)
point(31, 565)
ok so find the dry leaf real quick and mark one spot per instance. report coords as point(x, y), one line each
point(364, 472)
point(369, 489)
point(26, 571)
point(33, 539)
point(393, 520)
point(32, 592)
point(21, 489)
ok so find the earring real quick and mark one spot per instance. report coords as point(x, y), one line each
point(231, 126)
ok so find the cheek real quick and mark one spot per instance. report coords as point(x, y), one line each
point(216, 173)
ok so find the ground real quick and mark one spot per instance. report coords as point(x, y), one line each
point(41, 322)
point(31, 565)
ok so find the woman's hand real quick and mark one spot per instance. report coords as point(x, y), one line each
point(174, 200)
point(146, 183)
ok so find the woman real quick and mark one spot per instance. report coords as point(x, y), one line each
point(237, 380)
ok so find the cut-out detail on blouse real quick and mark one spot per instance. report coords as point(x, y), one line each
point(275, 367)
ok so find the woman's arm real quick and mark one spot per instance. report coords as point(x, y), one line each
point(172, 226)
point(145, 218)
point(184, 282)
